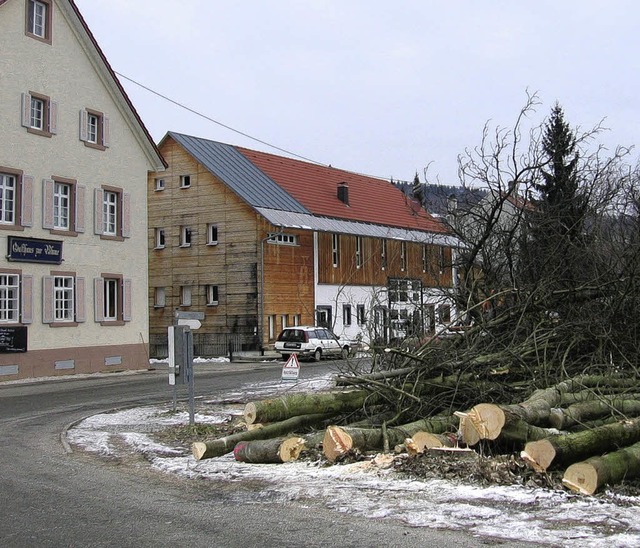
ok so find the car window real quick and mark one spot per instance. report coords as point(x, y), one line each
point(292, 335)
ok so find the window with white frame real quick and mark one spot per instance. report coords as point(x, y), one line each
point(212, 234)
point(63, 298)
point(185, 236)
point(297, 319)
point(358, 251)
point(159, 184)
point(160, 238)
point(160, 297)
point(112, 213)
point(383, 254)
point(346, 314)
point(39, 114)
point(185, 181)
point(335, 249)
point(362, 317)
point(185, 295)
point(9, 298)
point(444, 313)
point(212, 295)
point(272, 327)
point(38, 20)
point(8, 195)
point(281, 238)
point(63, 205)
point(94, 129)
point(112, 299)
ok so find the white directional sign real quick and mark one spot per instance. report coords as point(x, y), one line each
point(193, 324)
point(291, 369)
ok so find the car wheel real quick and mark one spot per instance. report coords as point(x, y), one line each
point(285, 357)
point(345, 352)
point(317, 355)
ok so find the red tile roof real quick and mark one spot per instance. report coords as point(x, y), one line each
point(371, 200)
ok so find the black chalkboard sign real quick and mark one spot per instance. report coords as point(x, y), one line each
point(13, 339)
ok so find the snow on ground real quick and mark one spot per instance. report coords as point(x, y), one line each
point(512, 513)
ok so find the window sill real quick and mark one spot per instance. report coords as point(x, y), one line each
point(184, 245)
point(64, 324)
point(110, 237)
point(95, 146)
point(159, 247)
point(112, 323)
point(11, 227)
point(41, 132)
point(63, 232)
point(212, 243)
point(215, 303)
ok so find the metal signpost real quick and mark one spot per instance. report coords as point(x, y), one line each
point(180, 338)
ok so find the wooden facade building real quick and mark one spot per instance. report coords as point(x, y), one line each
point(259, 242)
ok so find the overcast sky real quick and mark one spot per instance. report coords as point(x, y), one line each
point(378, 87)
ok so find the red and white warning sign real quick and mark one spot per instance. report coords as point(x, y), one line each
point(291, 369)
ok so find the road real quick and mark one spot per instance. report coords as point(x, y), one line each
point(52, 497)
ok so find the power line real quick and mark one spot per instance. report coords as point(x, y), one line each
point(216, 121)
point(208, 118)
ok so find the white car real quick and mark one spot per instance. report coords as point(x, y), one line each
point(311, 342)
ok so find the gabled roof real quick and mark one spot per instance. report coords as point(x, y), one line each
point(109, 78)
point(293, 193)
point(238, 173)
point(371, 200)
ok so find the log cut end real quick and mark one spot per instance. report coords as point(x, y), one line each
point(539, 455)
point(427, 440)
point(250, 413)
point(336, 442)
point(581, 477)
point(198, 449)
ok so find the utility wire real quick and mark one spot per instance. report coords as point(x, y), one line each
point(208, 118)
point(217, 122)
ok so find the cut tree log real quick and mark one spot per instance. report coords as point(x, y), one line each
point(487, 420)
point(589, 476)
point(292, 405)
point(427, 440)
point(564, 449)
point(339, 440)
point(579, 413)
point(221, 446)
point(275, 450)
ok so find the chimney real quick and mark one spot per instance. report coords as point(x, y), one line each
point(343, 193)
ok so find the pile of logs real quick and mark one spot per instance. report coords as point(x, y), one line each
point(588, 426)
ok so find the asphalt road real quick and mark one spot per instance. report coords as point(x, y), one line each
point(52, 497)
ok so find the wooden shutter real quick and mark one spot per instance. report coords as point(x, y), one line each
point(26, 213)
point(98, 299)
point(26, 110)
point(126, 215)
point(27, 299)
point(81, 192)
point(83, 125)
point(47, 299)
point(97, 210)
point(47, 203)
point(53, 117)
point(106, 132)
point(81, 310)
point(126, 299)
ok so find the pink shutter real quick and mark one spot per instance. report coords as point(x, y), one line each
point(81, 311)
point(106, 132)
point(97, 210)
point(81, 192)
point(26, 215)
point(26, 110)
point(47, 203)
point(98, 299)
point(53, 117)
point(83, 125)
point(126, 215)
point(47, 299)
point(126, 299)
point(27, 298)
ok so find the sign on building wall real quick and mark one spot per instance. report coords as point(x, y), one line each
point(13, 339)
point(34, 250)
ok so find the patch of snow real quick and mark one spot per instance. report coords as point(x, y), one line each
point(512, 513)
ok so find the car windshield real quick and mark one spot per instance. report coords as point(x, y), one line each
point(292, 335)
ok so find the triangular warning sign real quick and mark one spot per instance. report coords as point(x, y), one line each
point(291, 368)
point(292, 361)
